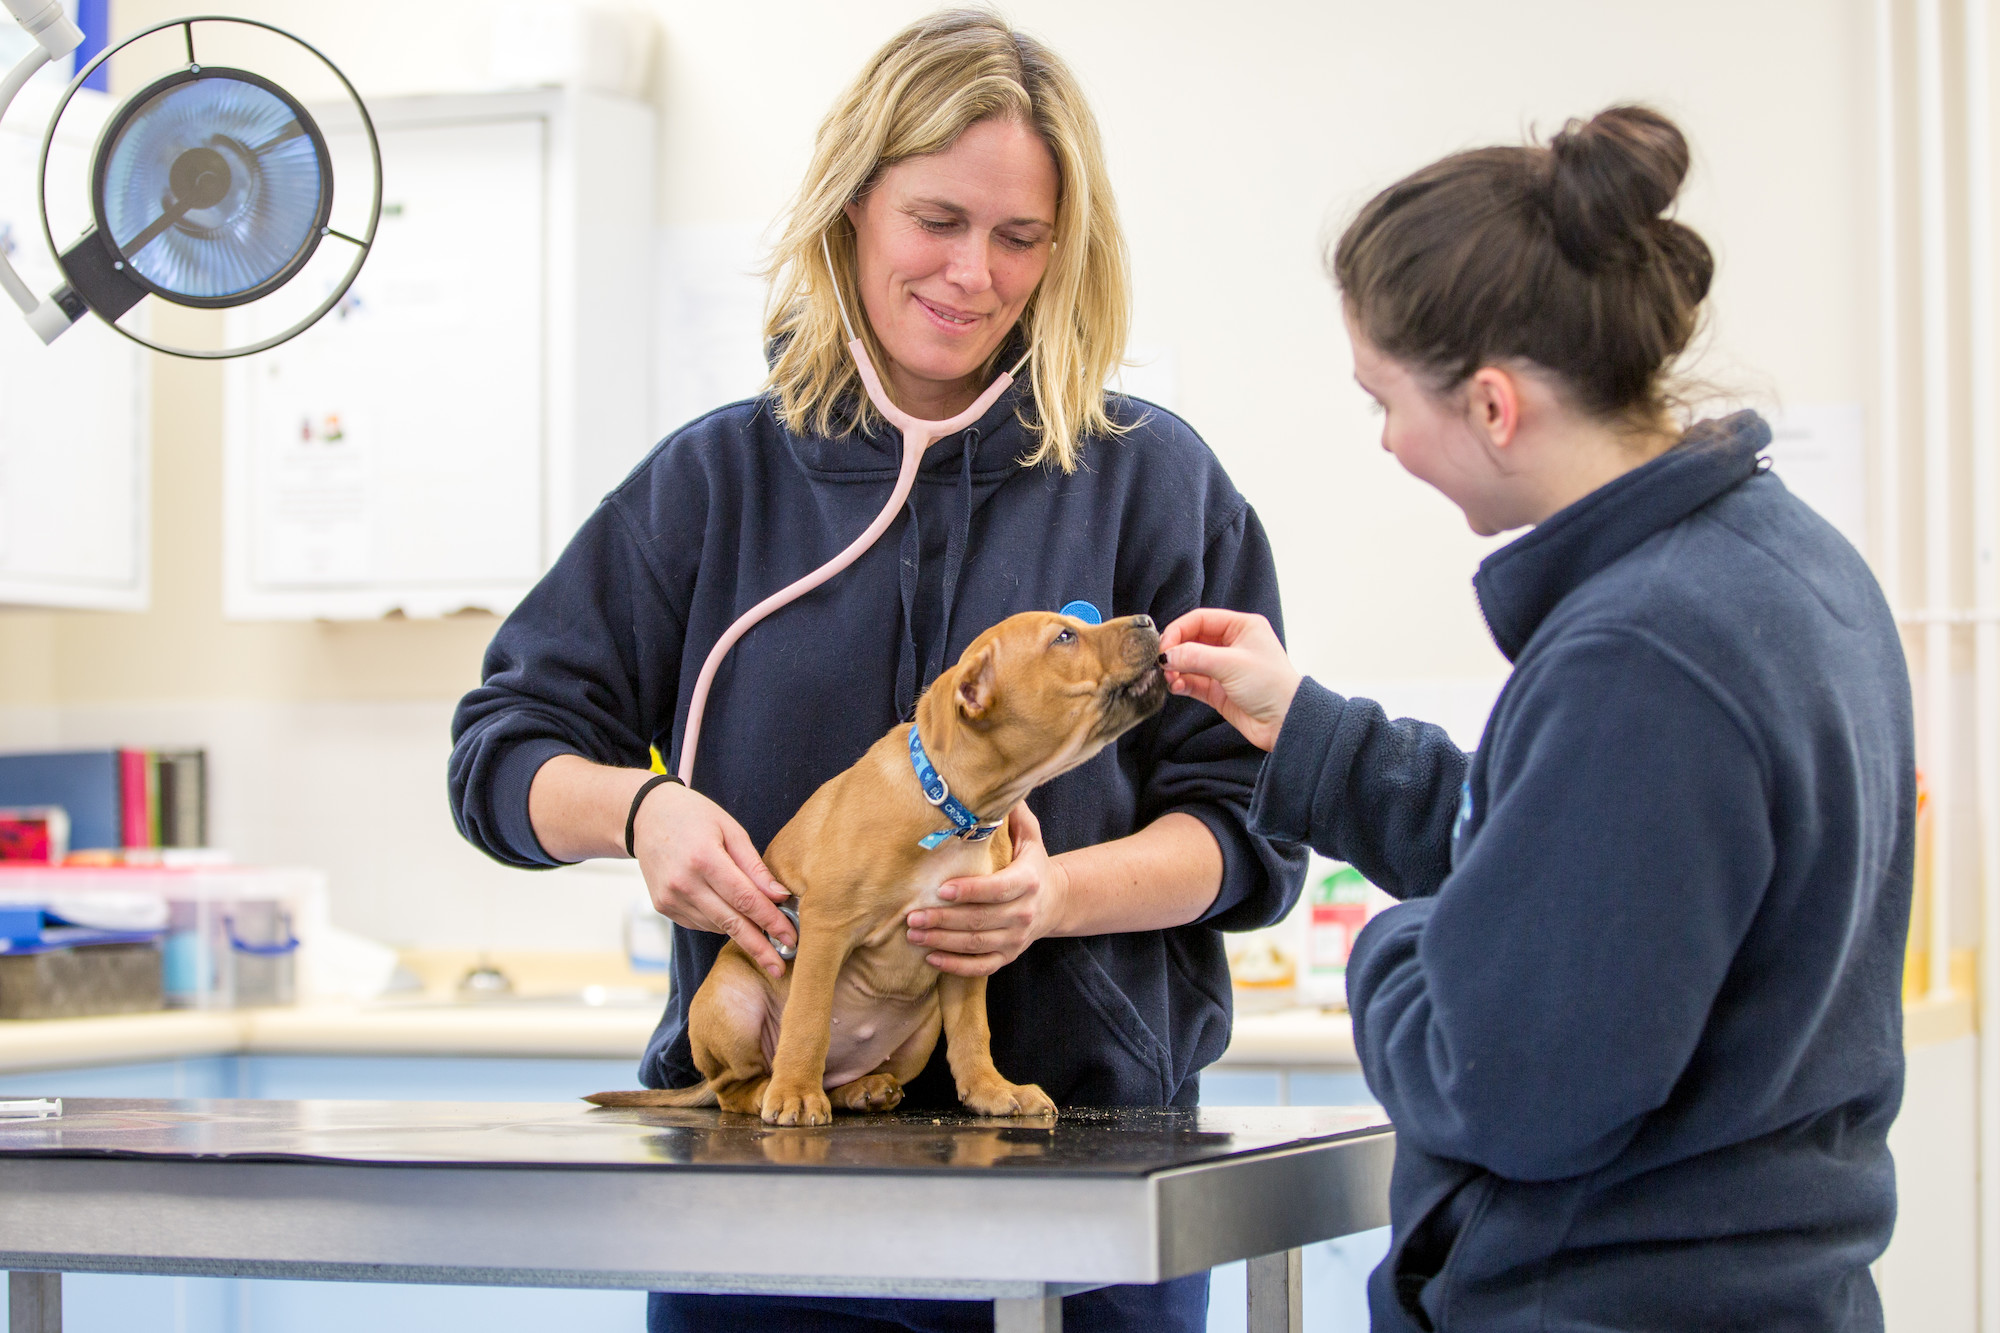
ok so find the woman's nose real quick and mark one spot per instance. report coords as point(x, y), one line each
point(969, 271)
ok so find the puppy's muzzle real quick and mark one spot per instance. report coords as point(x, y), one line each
point(1141, 693)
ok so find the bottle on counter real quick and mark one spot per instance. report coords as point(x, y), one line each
point(1337, 908)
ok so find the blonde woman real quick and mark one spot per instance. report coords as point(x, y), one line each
point(958, 198)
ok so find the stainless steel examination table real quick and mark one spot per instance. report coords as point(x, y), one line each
point(557, 1195)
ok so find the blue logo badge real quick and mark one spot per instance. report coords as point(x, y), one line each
point(1083, 611)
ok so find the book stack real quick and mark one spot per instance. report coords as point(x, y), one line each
point(109, 802)
point(163, 799)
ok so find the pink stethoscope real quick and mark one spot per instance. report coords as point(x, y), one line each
point(918, 435)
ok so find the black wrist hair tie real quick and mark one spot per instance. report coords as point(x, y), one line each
point(632, 817)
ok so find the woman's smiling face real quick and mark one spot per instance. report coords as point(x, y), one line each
point(948, 249)
point(1432, 437)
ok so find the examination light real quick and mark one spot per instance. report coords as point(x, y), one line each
point(211, 187)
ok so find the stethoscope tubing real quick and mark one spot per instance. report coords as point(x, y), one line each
point(918, 435)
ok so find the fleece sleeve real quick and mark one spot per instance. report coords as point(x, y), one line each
point(1379, 795)
point(1203, 767)
point(586, 664)
point(1553, 992)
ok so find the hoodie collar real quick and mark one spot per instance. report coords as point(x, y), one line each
point(870, 455)
point(1522, 582)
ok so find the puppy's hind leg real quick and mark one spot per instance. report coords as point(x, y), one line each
point(878, 1091)
point(726, 1029)
point(882, 1090)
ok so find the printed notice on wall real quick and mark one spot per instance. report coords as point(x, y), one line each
point(1818, 452)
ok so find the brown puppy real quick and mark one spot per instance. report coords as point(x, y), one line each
point(859, 1011)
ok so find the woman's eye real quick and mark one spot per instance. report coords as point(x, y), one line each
point(1016, 242)
point(937, 226)
point(1066, 636)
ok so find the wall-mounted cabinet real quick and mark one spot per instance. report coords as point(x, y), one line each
point(432, 444)
point(74, 491)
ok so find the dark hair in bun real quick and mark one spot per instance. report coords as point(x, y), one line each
point(1561, 255)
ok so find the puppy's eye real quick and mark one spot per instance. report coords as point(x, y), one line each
point(1066, 635)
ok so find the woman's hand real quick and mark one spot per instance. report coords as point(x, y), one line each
point(1234, 663)
point(703, 873)
point(990, 919)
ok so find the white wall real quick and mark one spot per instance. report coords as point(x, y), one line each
point(1929, 1276)
point(1236, 135)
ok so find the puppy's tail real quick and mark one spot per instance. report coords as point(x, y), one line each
point(701, 1094)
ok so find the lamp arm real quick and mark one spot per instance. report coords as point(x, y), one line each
point(55, 37)
point(48, 23)
point(11, 85)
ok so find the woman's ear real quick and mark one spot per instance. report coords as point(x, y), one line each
point(973, 696)
point(1493, 404)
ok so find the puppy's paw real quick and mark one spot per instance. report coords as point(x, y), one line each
point(876, 1092)
point(796, 1106)
point(999, 1097)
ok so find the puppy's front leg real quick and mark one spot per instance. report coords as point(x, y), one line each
point(969, 1049)
point(797, 1091)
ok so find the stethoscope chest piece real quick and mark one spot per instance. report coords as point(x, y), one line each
point(790, 907)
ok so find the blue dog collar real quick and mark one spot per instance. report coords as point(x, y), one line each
point(964, 824)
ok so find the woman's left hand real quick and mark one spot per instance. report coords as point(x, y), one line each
point(988, 920)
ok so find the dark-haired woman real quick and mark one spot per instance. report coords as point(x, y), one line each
point(1637, 1018)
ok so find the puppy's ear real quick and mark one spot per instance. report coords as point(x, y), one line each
point(974, 695)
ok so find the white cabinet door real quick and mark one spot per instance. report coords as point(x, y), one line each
point(73, 480)
point(392, 457)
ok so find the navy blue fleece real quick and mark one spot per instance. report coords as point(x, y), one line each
point(600, 658)
point(1638, 1021)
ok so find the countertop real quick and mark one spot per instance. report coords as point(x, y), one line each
point(1288, 1038)
point(545, 1028)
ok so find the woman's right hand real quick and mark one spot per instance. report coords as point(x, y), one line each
point(703, 872)
point(1233, 662)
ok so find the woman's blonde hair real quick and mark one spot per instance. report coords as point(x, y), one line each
point(935, 79)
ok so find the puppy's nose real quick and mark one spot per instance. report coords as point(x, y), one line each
point(1143, 622)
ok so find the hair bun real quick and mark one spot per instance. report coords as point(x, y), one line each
point(1610, 179)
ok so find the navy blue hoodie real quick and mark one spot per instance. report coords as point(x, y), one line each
point(1638, 1019)
point(601, 656)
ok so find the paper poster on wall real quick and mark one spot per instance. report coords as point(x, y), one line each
point(1818, 451)
point(319, 485)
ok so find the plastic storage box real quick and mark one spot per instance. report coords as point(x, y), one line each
point(237, 937)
